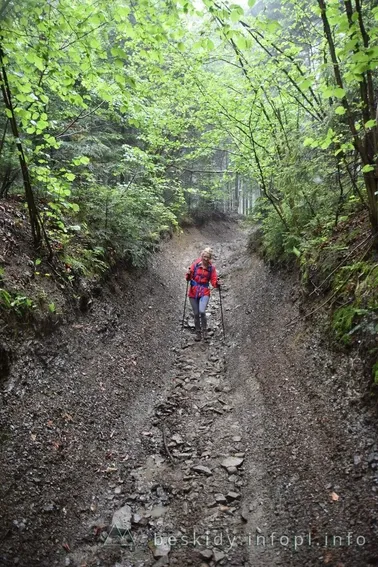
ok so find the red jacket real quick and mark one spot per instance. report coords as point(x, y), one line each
point(200, 277)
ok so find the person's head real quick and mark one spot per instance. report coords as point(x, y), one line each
point(206, 255)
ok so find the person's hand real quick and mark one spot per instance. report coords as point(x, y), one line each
point(218, 283)
point(188, 275)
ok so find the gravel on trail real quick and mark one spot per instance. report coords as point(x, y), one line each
point(125, 443)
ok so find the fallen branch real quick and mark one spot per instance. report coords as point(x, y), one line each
point(166, 446)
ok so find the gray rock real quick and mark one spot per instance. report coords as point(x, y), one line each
point(206, 554)
point(233, 495)
point(218, 555)
point(122, 518)
point(202, 470)
point(162, 549)
point(137, 519)
point(220, 498)
point(232, 462)
point(158, 511)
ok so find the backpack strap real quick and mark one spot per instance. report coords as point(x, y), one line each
point(195, 269)
point(210, 270)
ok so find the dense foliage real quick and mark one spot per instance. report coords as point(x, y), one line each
point(110, 105)
point(119, 119)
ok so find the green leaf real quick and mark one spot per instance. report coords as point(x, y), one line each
point(370, 124)
point(42, 124)
point(340, 110)
point(94, 43)
point(120, 79)
point(52, 307)
point(83, 160)
point(307, 83)
point(367, 168)
point(198, 45)
point(21, 97)
point(308, 141)
point(339, 93)
point(273, 26)
point(296, 252)
point(70, 176)
point(241, 42)
point(235, 16)
point(251, 3)
point(25, 88)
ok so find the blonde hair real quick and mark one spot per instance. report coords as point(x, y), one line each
point(208, 251)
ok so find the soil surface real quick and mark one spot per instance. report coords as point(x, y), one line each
point(126, 443)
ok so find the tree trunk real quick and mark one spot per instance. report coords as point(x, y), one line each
point(371, 183)
point(33, 213)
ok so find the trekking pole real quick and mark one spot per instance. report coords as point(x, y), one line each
point(220, 299)
point(186, 295)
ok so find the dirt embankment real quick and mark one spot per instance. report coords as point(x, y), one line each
point(118, 431)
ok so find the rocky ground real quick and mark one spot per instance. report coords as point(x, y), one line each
point(125, 443)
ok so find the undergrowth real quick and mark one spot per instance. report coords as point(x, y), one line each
point(337, 266)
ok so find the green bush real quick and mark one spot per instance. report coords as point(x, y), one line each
point(20, 305)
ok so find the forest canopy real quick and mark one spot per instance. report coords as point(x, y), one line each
point(121, 120)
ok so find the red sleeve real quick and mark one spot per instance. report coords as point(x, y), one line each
point(214, 276)
point(191, 269)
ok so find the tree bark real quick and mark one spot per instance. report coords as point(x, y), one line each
point(366, 146)
point(33, 212)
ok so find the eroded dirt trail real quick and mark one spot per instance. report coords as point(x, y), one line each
point(120, 431)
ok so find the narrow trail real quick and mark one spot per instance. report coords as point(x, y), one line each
point(125, 443)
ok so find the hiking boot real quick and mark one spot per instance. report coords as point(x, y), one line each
point(204, 325)
point(205, 335)
point(198, 336)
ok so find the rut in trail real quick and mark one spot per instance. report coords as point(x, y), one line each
point(138, 446)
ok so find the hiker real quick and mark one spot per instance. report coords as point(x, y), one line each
point(200, 274)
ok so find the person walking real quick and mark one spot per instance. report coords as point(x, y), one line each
point(200, 274)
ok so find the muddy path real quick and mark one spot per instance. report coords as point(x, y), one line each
point(125, 443)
